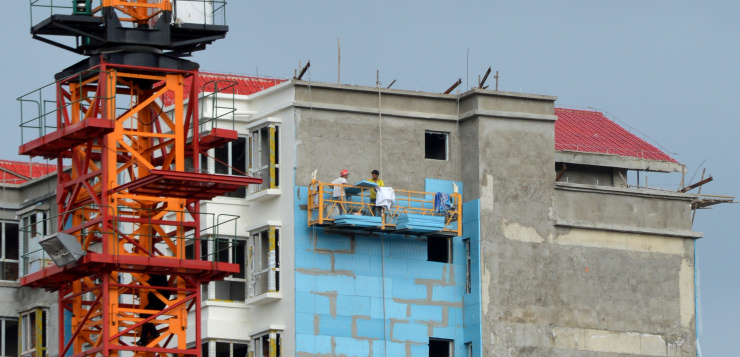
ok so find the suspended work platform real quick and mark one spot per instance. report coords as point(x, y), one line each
point(411, 212)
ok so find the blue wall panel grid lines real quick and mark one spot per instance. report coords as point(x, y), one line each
point(370, 328)
point(304, 323)
point(351, 305)
point(370, 286)
point(410, 331)
point(426, 312)
point(346, 284)
point(351, 347)
point(323, 344)
point(306, 343)
point(335, 325)
point(342, 284)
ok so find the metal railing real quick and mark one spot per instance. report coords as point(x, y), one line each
point(323, 208)
point(146, 237)
point(46, 114)
point(213, 112)
point(201, 12)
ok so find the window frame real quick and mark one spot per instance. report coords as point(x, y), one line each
point(230, 167)
point(259, 339)
point(446, 135)
point(256, 265)
point(4, 337)
point(207, 344)
point(209, 254)
point(4, 255)
point(30, 237)
point(255, 148)
point(28, 345)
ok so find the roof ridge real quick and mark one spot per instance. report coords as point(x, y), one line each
point(580, 110)
point(25, 162)
point(239, 76)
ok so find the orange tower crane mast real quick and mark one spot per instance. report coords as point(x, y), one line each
point(128, 199)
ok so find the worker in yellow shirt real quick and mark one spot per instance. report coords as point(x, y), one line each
point(376, 180)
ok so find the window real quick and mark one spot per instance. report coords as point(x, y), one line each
point(9, 344)
point(264, 160)
point(33, 229)
point(435, 145)
point(231, 159)
point(468, 267)
point(439, 249)
point(9, 251)
point(231, 250)
point(262, 345)
point(469, 349)
point(440, 348)
point(264, 260)
point(224, 349)
point(33, 333)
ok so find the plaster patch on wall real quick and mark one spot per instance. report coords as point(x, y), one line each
point(686, 293)
point(486, 193)
point(485, 284)
point(515, 231)
point(622, 241)
point(636, 343)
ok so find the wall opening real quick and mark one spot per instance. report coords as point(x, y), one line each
point(468, 267)
point(439, 249)
point(435, 145)
point(440, 347)
point(231, 159)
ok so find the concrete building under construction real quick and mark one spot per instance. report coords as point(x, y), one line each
point(505, 226)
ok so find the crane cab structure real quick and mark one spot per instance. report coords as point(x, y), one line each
point(131, 199)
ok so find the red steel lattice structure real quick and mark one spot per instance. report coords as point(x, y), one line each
point(128, 198)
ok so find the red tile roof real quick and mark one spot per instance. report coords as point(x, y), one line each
point(591, 131)
point(17, 172)
point(244, 85)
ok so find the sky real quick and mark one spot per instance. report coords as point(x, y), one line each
point(668, 70)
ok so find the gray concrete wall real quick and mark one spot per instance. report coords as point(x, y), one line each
point(551, 289)
point(339, 127)
point(641, 210)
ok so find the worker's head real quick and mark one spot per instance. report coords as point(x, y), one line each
point(344, 173)
point(375, 174)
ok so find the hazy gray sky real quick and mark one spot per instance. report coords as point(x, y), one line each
point(670, 69)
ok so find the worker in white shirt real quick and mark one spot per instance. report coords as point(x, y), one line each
point(339, 190)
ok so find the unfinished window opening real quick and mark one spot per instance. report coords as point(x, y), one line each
point(439, 249)
point(190, 249)
point(265, 261)
point(231, 250)
point(440, 347)
point(33, 333)
point(9, 251)
point(9, 344)
point(435, 145)
point(231, 159)
point(263, 346)
point(231, 349)
point(214, 348)
point(264, 158)
point(468, 267)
